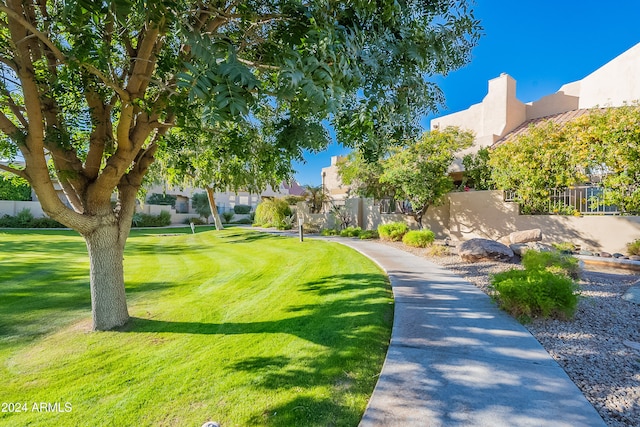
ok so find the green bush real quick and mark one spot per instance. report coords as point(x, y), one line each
point(419, 238)
point(162, 199)
point(393, 231)
point(565, 247)
point(25, 219)
point(242, 209)
point(146, 220)
point(634, 247)
point(526, 294)
point(196, 220)
point(329, 232)
point(243, 221)
point(272, 213)
point(351, 232)
point(555, 262)
point(227, 216)
point(368, 234)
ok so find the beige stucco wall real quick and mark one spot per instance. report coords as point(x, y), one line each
point(500, 112)
point(12, 208)
point(485, 214)
point(614, 83)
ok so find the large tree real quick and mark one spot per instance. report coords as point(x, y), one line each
point(89, 88)
point(419, 172)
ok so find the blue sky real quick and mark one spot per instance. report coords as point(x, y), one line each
point(542, 44)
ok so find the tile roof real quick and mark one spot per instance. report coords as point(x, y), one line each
point(559, 118)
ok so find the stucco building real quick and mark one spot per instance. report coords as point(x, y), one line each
point(501, 113)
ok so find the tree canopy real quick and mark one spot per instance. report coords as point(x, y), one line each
point(89, 89)
point(601, 147)
point(417, 173)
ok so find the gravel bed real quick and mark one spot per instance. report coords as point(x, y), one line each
point(590, 348)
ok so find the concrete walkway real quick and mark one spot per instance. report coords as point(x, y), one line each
point(455, 359)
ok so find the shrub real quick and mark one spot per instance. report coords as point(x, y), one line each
point(634, 247)
point(200, 204)
point(565, 247)
point(24, 219)
point(393, 231)
point(419, 238)
point(530, 293)
point(329, 232)
point(437, 250)
point(146, 220)
point(227, 216)
point(242, 209)
point(351, 232)
point(196, 220)
point(272, 212)
point(243, 221)
point(555, 262)
point(368, 234)
point(45, 222)
point(162, 199)
point(286, 223)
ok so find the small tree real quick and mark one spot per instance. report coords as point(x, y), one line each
point(419, 172)
point(363, 177)
point(200, 203)
point(316, 197)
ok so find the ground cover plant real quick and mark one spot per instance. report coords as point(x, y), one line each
point(419, 238)
point(634, 247)
point(545, 287)
point(234, 326)
point(393, 231)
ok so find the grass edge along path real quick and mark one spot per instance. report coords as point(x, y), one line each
point(237, 326)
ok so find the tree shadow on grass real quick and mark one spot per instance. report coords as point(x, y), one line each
point(248, 236)
point(351, 323)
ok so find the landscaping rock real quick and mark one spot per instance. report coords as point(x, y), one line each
point(605, 254)
point(525, 236)
point(475, 250)
point(634, 257)
point(520, 248)
point(618, 255)
point(585, 252)
point(633, 293)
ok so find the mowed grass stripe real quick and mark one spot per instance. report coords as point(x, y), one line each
point(235, 326)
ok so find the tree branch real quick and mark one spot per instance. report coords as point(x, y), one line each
point(19, 172)
point(28, 26)
point(15, 109)
point(7, 126)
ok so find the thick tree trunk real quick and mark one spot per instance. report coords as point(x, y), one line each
point(214, 209)
point(108, 300)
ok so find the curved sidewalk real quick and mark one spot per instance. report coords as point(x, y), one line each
point(455, 359)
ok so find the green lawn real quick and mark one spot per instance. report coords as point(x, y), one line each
point(236, 326)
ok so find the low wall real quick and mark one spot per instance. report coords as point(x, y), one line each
point(12, 208)
point(485, 214)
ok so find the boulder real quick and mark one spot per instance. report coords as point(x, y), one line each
point(520, 248)
point(524, 236)
point(475, 250)
point(634, 257)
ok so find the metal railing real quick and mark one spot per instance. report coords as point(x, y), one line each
point(583, 200)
